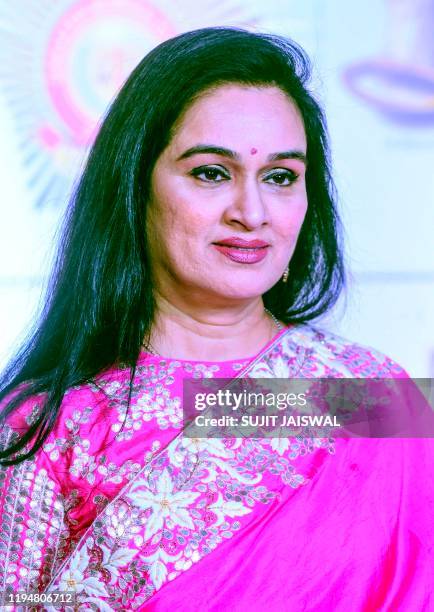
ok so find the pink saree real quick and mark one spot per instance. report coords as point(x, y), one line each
point(139, 517)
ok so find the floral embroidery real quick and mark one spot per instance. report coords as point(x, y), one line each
point(173, 518)
point(165, 504)
point(73, 579)
point(84, 465)
point(25, 534)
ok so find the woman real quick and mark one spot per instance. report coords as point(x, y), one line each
point(202, 238)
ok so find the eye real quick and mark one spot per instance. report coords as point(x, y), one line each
point(210, 174)
point(283, 177)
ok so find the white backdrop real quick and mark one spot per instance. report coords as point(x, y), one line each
point(374, 74)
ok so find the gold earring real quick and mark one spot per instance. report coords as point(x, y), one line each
point(285, 275)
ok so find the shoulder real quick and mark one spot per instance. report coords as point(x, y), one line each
point(84, 408)
point(332, 355)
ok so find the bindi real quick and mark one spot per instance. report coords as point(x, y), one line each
point(253, 151)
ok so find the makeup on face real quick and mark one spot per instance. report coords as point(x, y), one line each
point(242, 251)
point(229, 196)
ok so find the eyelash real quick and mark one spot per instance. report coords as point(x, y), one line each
point(196, 172)
point(288, 174)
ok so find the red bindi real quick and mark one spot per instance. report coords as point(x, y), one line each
point(253, 151)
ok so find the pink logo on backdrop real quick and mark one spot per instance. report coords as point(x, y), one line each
point(62, 65)
point(90, 51)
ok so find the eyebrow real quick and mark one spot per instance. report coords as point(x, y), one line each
point(203, 149)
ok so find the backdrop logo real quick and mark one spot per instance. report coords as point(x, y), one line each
point(400, 83)
point(78, 56)
point(92, 48)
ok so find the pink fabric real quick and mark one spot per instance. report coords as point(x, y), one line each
point(293, 524)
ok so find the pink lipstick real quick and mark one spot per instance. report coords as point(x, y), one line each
point(242, 251)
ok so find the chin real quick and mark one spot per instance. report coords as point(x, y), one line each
point(243, 291)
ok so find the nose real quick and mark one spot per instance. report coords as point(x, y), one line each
point(247, 207)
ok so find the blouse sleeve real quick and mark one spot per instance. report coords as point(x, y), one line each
point(33, 532)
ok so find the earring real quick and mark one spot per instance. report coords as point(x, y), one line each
point(285, 275)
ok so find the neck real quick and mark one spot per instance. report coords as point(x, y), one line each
point(235, 332)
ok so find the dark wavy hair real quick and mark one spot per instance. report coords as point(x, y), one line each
point(100, 303)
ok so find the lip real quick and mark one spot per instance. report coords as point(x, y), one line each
point(240, 242)
point(242, 251)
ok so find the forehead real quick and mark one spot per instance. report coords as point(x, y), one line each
point(240, 116)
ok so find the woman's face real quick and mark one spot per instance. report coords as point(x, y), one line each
point(228, 196)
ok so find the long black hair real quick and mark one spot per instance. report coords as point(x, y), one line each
point(100, 301)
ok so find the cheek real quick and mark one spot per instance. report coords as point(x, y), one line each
point(292, 219)
point(177, 225)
